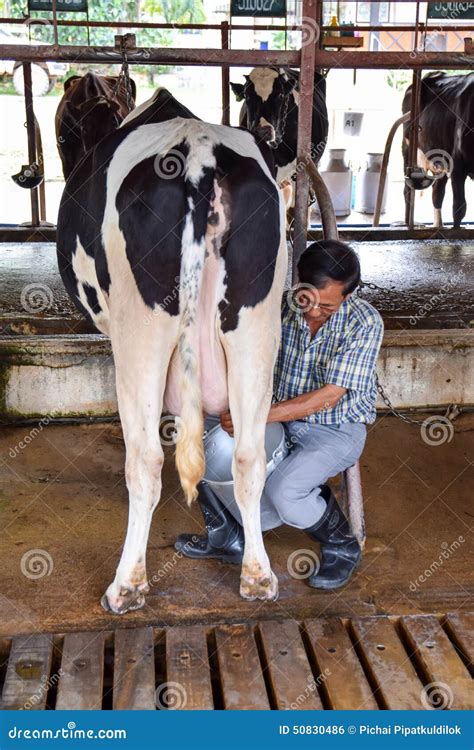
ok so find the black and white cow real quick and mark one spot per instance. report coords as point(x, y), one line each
point(270, 111)
point(171, 237)
point(445, 137)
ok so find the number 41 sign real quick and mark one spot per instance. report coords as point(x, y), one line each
point(260, 8)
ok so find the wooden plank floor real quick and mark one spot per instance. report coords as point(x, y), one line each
point(406, 662)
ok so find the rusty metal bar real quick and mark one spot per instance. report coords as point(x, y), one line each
point(40, 161)
point(30, 130)
point(22, 233)
point(383, 170)
point(396, 59)
point(238, 57)
point(55, 21)
point(225, 76)
point(149, 56)
point(311, 16)
point(236, 27)
point(148, 25)
point(413, 145)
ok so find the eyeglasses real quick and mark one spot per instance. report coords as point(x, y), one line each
point(324, 308)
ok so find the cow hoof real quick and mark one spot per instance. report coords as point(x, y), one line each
point(124, 599)
point(264, 587)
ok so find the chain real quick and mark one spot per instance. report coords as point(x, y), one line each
point(124, 75)
point(389, 405)
point(376, 288)
point(380, 388)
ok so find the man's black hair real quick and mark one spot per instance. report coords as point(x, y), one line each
point(329, 260)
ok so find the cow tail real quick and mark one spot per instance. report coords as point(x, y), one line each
point(189, 445)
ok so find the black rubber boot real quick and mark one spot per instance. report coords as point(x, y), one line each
point(225, 536)
point(340, 551)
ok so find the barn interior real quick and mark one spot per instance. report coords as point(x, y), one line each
point(406, 619)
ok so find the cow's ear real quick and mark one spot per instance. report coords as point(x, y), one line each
point(70, 81)
point(238, 89)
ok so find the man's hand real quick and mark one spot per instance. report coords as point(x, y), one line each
point(226, 423)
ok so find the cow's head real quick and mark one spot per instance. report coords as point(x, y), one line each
point(95, 119)
point(267, 93)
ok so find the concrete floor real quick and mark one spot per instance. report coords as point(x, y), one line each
point(425, 285)
point(63, 500)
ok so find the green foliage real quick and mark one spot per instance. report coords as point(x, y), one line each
point(176, 11)
point(279, 40)
point(399, 79)
point(170, 11)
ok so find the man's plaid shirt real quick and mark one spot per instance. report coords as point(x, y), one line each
point(343, 352)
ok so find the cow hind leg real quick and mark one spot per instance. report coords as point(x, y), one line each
point(250, 387)
point(142, 351)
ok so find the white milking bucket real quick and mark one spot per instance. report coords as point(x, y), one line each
point(219, 449)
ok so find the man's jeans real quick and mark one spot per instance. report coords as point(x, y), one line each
point(291, 493)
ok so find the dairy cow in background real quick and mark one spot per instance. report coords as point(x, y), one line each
point(271, 97)
point(92, 107)
point(445, 137)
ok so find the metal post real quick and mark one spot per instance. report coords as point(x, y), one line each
point(40, 161)
point(415, 113)
point(225, 75)
point(310, 22)
point(413, 145)
point(30, 130)
point(55, 22)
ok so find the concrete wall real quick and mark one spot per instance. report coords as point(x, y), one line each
point(67, 376)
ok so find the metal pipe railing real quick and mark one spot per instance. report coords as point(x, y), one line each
point(384, 167)
point(235, 26)
point(148, 55)
point(31, 135)
point(238, 57)
point(308, 59)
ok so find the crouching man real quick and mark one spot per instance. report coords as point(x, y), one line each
point(325, 393)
